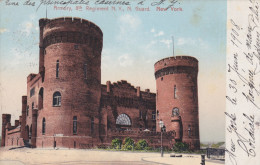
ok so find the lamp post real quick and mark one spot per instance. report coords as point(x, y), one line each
point(161, 126)
point(189, 131)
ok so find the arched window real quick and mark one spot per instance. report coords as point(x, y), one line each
point(43, 126)
point(40, 99)
point(92, 124)
point(74, 124)
point(57, 68)
point(124, 120)
point(57, 99)
point(175, 111)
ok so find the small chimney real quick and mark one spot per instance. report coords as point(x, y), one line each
point(20, 120)
point(108, 86)
point(138, 91)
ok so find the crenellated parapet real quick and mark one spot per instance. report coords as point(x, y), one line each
point(182, 60)
point(75, 24)
point(176, 65)
point(31, 76)
point(122, 93)
point(123, 88)
point(71, 30)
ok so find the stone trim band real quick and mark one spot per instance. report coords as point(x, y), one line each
point(72, 37)
point(175, 70)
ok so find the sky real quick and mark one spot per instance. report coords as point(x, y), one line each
point(132, 42)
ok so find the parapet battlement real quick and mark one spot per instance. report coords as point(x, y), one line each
point(79, 22)
point(124, 86)
point(173, 58)
point(176, 61)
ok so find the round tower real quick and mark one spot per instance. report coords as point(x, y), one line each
point(177, 98)
point(70, 57)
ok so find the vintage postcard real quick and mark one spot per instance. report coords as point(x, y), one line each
point(129, 82)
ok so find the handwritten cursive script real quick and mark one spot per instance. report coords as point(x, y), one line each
point(243, 85)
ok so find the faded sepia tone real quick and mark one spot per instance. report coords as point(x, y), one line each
point(95, 73)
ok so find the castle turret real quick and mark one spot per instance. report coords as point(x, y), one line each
point(6, 118)
point(72, 80)
point(177, 97)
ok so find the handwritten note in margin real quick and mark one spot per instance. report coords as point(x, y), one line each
point(243, 83)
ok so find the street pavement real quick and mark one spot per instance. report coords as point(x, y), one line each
point(27, 156)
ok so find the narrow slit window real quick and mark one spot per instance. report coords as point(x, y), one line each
point(74, 124)
point(194, 91)
point(140, 114)
point(189, 131)
point(43, 126)
point(175, 91)
point(85, 71)
point(57, 68)
point(153, 115)
point(92, 125)
point(27, 110)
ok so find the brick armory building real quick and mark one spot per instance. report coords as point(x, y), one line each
point(67, 106)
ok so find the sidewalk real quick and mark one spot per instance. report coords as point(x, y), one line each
point(77, 156)
point(186, 159)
